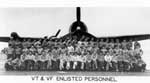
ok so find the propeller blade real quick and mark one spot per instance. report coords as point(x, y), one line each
point(78, 13)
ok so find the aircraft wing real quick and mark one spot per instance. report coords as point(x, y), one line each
point(31, 38)
point(129, 37)
point(4, 39)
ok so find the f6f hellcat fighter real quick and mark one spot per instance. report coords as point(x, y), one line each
point(79, 29)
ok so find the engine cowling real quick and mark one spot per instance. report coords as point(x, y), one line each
point(77, 24)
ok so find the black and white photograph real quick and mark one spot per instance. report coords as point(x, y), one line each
point(81, 41)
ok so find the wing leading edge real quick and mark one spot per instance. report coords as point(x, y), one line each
point(120, 38)
point(6, 39)
point(129, 37)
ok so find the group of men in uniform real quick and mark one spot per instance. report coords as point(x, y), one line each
point(72, 54)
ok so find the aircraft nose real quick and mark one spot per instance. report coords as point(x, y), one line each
point(78, 26)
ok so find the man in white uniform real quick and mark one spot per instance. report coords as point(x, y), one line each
point(62, 61)
point(108, 59)
point(75, 63)
point(83, 57)
point(67, 62)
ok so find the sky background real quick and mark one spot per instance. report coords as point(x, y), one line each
point(100, 21)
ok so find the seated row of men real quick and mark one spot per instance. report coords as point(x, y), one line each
point(71, 55)
point(74, 62)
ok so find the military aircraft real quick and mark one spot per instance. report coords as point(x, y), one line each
point(79, 29)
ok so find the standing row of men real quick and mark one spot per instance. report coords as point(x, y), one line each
point(74, 55)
